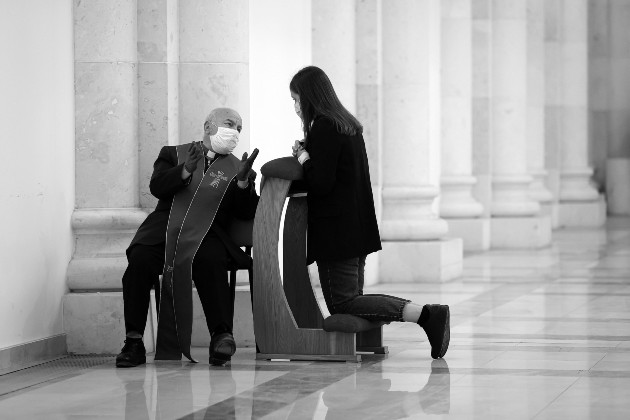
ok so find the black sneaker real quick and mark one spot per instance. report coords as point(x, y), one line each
point(132, 354)
point(222, 347)
point(438, 329)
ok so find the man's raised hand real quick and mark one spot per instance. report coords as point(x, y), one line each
point(195, 154)
point(246, 165)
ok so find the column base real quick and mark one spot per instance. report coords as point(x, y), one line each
point(475, 233)
point(420, 261)
point(582, 213)
point(94, 322)
point(520, 232)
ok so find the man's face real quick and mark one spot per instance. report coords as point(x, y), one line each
point(224, 117)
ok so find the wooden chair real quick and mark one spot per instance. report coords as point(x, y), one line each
point(240, 231)
point(288, 322)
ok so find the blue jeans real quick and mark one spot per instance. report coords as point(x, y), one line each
point(342, 286)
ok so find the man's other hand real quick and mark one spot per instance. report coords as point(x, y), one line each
point(246, 165)
point(195, 154)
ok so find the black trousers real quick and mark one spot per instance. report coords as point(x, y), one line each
point(210, 276)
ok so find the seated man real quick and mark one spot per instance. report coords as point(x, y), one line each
point(200, 187)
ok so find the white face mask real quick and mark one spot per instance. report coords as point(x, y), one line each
point(224, 141)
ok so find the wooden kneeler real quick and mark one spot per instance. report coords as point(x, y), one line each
point(288, 322)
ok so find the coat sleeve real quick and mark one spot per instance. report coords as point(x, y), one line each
point(324, 148)
point(166, 179)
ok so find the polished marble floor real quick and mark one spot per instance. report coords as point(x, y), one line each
point(541, 334)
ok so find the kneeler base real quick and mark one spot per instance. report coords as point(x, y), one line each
point(288, 322)
point(311, 357)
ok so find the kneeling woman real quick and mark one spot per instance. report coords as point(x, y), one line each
point(342, 226)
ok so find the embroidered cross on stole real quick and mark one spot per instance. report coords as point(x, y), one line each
point(192, 213)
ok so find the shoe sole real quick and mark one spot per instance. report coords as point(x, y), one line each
point(123, 364)
point(446, 338)
point(223, 354)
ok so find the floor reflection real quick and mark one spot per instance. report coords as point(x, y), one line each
point(369, 396)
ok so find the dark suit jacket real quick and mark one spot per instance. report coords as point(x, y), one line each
point(166, 181)
point(341, 217)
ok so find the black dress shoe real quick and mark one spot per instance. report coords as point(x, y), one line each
point(438, 329)
point(132, 354)
point(222, 347)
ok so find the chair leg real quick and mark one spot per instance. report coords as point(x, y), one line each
point(233, 289)
point(250, 272)
point(157, 286)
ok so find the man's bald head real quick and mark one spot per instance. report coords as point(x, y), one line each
point(222, 117)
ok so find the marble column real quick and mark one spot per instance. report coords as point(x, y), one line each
point(158, 86)
point(553, 101)
point(106, 164)
point(516, 220)
point(618, 162)
point(457, 205)
point(481, 11)
point(538, 190)
point(599, 87)
point(580, 203)
point(333, 46)
point(213, 64)
point(415, 247)
point(369, 98)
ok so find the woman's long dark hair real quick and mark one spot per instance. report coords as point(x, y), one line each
point(318, 98)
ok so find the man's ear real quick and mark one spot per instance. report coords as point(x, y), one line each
point(210, 128)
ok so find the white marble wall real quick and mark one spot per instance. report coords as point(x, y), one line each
point(37, 181)
point(276, 53)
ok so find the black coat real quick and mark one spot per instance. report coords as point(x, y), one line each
point(166, 181)
point(341, 216)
